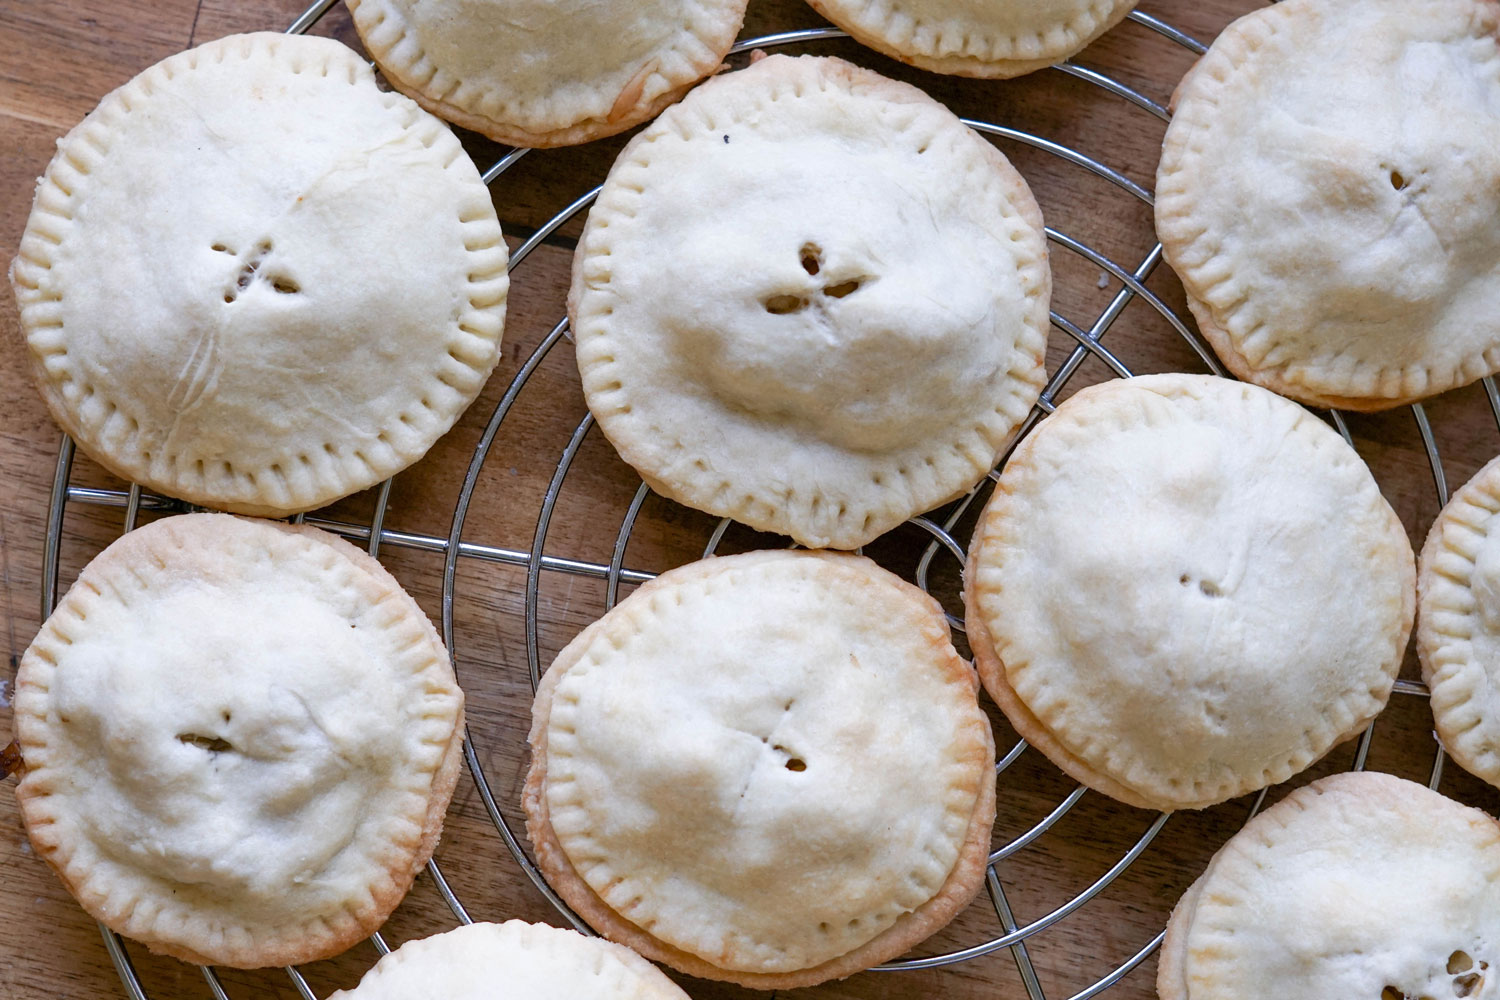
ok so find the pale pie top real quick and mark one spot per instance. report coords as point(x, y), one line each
point(232, 731)
point(765, 760)
point(512, 961)
point(253, 280)
point(811, 299)
point(1192, 585)
point(1359, 885)
point(1329, 192)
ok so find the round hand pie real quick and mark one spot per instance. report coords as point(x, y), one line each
point(512, 961)
point(1186, 588)
point(240, 740)
point(547, 72)
point(811, 299)
point(768, 768)
point(984, 38)
point(1458, 627)
point(1329, 193)
point(254, 281)
point(1359, 885)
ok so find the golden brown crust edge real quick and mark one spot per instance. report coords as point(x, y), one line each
point(1271, 378)
point(64, 419)
point(619, 119)
point(384, 896)
point(957, 891)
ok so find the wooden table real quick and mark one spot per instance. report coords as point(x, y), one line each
point(58, 58)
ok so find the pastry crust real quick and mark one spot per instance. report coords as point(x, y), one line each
point(1185, 589)
point(543, 73)
point(1458, 625)
point(711, 837)
point(987, 40)
point(254, 281)
point(1359, 885)
point(861, 348)
point(512, 961)
point(1328, 193)
point(240, 739)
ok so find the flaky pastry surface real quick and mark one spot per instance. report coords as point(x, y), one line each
point(983, 38)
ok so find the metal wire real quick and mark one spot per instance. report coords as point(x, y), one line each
point(1088, 342)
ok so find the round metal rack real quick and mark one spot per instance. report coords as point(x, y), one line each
point(1088, 341)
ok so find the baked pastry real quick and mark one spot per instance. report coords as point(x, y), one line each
point(848, 337)
point(1358, 885)
point(240, 740)
point(512, 961)
point(1001, 38)
point(1186, 588)
point(768, 768)
point(543, 72)
point(1329, 193)
point(254, 281)
point(1458, 624)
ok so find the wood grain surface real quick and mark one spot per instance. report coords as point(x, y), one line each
point(58, 58)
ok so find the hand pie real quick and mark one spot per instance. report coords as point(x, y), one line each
point(811, 299)
point(544, 72)
point(240, 739)
point(767, 768)
point(254, 281)
point(1329, 193)
point(1186, 588)
point(1359, 885)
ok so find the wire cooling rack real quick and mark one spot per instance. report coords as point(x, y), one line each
point(1088, 341)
